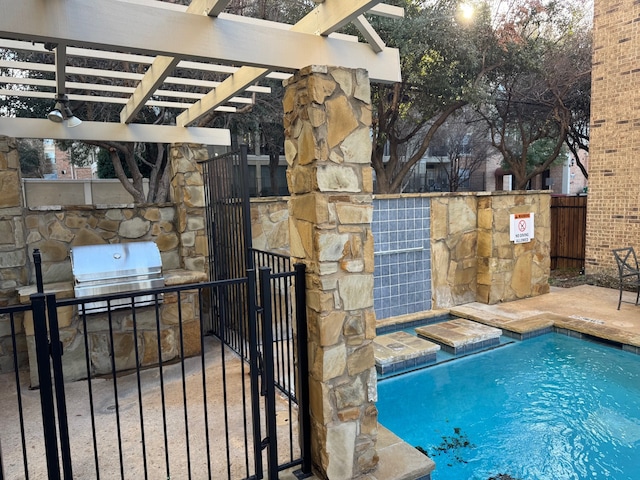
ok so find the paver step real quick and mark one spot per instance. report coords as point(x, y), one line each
point(461, 335)
point(401, 351)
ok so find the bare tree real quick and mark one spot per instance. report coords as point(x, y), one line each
point(462, 148)
point(33, 163)
point(537, 102)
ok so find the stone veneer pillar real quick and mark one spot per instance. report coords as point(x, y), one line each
point(327, 120)
point(187, 193)
point(508, 271)
point(13, 249)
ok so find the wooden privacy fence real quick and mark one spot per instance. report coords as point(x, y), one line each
point(568, 231)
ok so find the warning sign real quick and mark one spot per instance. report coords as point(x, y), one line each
point(521, 228)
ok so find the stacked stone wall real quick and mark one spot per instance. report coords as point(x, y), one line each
point(270, 224)
point(613, 206)
point(114, 331)
point(187, 194)
point(454, 241)
point(506, 270)
point(462, 269)
point(56, 232)
point(177, 228)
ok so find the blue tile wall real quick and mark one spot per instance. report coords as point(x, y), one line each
point(402, 275)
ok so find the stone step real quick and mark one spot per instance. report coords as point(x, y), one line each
point(460, 335)
point(521, 327)
point(400, 351)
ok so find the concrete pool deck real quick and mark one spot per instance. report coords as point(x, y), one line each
point(585, 309)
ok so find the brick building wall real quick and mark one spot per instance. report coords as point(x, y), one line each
point(613, 216)
point(65, 170)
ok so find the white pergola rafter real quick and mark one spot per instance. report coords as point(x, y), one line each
point(162, 66)
point(323, 20)
point(202, 37)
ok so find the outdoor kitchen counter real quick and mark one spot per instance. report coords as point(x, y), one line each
point(183, 277)
point(65, 289)
point(61, 289)
point(176, 323)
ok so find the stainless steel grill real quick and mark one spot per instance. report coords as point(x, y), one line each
point(116, 268)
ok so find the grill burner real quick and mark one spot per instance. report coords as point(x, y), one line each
point(116, 268)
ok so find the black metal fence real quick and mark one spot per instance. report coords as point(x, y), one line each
point(214, 414)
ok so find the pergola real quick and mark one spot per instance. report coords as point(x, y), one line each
point(170, 38)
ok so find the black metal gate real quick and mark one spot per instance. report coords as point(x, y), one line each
point(211, 415)
point(228, 214)
point(235, 409)
point(228, 220)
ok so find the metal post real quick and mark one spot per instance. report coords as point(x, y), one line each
point(246, 207)
point(61, 401)
point(304, 421)
point(254, 367)
point(37, 261)
point(46, 390)
point(267, 374)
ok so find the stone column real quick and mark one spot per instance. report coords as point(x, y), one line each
point(508, 271)
point(327, 120)
point(13, 249)
point(187, 193)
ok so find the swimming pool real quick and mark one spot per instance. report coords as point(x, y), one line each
point(552, 407)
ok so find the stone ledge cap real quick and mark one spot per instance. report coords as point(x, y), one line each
point(399, 460)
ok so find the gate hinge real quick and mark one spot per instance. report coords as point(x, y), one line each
point(263, 386)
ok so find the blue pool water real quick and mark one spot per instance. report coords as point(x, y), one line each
point(549, 408)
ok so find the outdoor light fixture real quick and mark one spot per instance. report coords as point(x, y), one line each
point(62, 112)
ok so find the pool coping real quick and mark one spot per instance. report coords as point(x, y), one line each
point(533, 325)
point(397, 460)
point(523, 326)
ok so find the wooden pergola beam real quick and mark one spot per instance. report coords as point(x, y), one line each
point(150, 82)
point(330, 15)
point(369, 33)
point(325, 18)
point(162, 66)
point(227, 89)
point(211, 8)
point(116, 132)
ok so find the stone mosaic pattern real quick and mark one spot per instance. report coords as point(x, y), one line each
point(100, 341)
point(177, 228)
point(56, 232)
point(270, 224)
point(508, 271)
point(402, 275)
point(473, 256)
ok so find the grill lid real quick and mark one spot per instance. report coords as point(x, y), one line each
point(103, 263)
